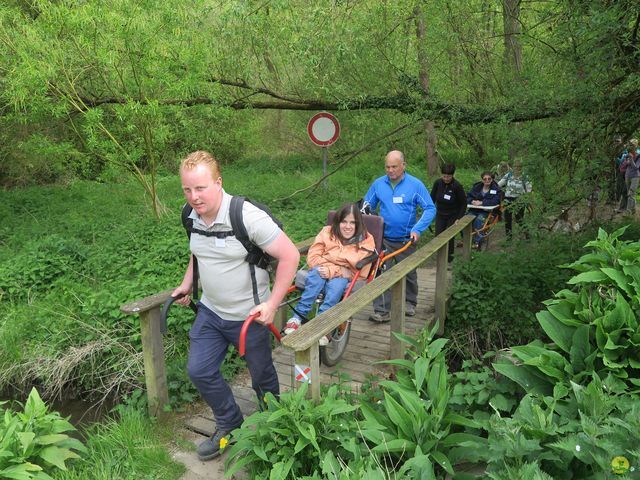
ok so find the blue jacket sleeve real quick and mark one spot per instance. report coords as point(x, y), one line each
point(428, 210)
point(371, 197)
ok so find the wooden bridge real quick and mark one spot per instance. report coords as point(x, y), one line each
point(369, 342)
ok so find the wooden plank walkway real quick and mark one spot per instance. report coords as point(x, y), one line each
point(368, 344)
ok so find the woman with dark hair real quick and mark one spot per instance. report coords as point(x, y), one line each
point(450, 200)
point(332, 260)
point(486, 193)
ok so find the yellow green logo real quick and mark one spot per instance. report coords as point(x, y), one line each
point(620, 465)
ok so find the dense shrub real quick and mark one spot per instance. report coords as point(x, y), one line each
point(495, 296)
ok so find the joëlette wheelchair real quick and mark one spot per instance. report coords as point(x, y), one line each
point(494, 215)
point(330, 354)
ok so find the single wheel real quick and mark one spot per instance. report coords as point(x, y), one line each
point(332, 353)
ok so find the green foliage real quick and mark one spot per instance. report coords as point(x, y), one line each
point(576, 433)
point(291, 437)
point(415, 420)
point(129, 447)
point(33, 443)
point(594, 327)
point(506, 288)
point(477, 388)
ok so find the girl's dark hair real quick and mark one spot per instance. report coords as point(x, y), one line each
point(448, 169)
point(349, 208)
point(486, 173)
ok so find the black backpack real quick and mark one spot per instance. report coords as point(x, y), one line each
point(256, 257)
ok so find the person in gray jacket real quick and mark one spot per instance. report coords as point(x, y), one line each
point(515, 185)
point(631, 177)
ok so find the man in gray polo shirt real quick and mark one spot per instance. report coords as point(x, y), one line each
point(227, 297)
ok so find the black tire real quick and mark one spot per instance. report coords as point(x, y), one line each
point(331, 354)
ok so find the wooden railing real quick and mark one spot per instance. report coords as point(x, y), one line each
point(304, 342)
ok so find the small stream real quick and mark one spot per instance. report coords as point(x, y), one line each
point(81, 413)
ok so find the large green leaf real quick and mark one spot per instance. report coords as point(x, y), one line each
point(526, 377)
point(560, 333)
point(281, 470)
point(619, 278)
point(443, 461)
point(580, 349)
point(563, 310)
point(594, 276)
point(395, 445)
point(57, 456)
point(22, 471)
point(398, 415)
point(421, 369)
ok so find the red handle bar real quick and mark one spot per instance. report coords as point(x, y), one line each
point(245, 327)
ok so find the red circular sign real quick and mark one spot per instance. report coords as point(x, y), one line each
point(323, 129)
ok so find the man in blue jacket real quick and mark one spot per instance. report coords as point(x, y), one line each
point(398, 196)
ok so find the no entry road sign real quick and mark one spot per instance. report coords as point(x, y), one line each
point(323, 129)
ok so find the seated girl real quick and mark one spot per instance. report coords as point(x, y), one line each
point(332, 260)
point(486, 193)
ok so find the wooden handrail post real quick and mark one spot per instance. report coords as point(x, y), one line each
point(397, 318)
point(280, 318)
point(154, 367)
point(442, 285)
point(467, 233)
point(308, 358)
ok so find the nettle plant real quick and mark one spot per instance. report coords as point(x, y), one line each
point(578, 433)
point(33, 443)
point(594, 327)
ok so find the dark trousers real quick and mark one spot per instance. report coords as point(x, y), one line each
point(621, 188)
point(513, 210)
point(210, 338)
point(444, 221)
point(382, 304)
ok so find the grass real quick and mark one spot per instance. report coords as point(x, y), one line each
point(129, 447)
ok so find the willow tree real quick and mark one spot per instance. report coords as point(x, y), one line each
point(134, 84)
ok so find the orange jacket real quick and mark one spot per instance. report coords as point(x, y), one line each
point(340, 259)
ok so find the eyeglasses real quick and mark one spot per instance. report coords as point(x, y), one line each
point(487, 178)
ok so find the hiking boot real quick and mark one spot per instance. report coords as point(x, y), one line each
point(410, 310)
point(292, 325)
point(324, 341)
point(213, 447)
point(380, 317)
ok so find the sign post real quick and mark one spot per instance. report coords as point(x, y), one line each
point(323, 130)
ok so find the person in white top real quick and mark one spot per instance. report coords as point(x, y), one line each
point(515, 184)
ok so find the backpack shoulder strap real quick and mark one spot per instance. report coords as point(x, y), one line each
point(237, 222)
point(187, 222)
point(240, 232)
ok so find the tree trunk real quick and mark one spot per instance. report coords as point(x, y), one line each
point(431, 138)
point(513, 64)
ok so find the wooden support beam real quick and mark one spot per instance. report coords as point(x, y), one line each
point(280, 318)
point(308, 358)
point(442, 285)
point(154, 366)
point(466, 241)
point(397, 313)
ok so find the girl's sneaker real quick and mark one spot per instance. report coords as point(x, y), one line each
point(292, 325)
